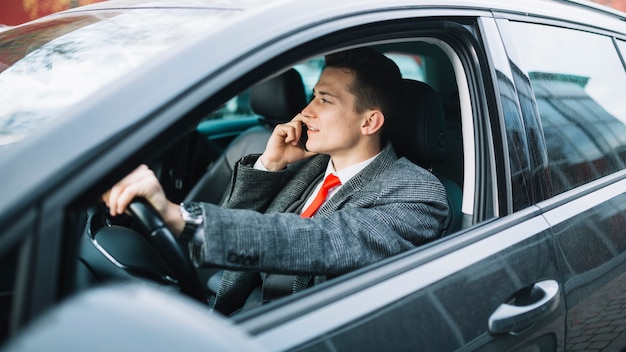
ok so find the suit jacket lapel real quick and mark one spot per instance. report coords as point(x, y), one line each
point(297, 189)
point(300, 185)
point(379, 165)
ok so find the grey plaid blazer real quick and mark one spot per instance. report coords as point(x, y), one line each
point(389, 207)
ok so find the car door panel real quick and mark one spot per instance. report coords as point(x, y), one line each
point(442, 302)
point(590, 234)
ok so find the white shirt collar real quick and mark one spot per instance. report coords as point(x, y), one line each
point(346, 174)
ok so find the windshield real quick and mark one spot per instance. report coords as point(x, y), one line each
point(49, 65)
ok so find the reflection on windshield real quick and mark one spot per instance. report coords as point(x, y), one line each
point(47, 66)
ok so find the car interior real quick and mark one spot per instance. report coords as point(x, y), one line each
point(429, 135)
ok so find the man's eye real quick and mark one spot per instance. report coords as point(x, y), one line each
point(325, 101)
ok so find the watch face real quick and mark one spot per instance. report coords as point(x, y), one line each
point(193, 209)
point(192, 213)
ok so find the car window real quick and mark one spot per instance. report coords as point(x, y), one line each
point(49, 65)
point(239, 107)
point(579, 95)
point(411, 66)
point(528, 160)
point(310, 70)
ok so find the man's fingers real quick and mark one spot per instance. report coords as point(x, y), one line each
point(291, 131)
point(123, 192)
point(127, 195)
point(284, 145)
point(105, 196)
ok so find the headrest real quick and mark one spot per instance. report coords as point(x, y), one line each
point(418, 131)
point(279, 98)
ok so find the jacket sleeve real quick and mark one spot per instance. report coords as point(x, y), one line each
point(251, 188)
point(401, 210)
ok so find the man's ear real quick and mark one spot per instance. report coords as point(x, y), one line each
point(373, 122)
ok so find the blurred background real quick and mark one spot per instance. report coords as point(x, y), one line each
point(616, 4)
point(14, 12)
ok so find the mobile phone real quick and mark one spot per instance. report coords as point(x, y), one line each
point(304, 137)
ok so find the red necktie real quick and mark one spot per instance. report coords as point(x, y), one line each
point(329, 182)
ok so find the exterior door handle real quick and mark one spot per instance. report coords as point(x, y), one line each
point(527, 306)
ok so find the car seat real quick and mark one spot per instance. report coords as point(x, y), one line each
point(276, 100)
point(418, 132)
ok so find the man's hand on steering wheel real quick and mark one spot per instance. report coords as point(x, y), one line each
point(143, 183)
point(141, 195)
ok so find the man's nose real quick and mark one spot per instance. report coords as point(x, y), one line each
point(308, 111)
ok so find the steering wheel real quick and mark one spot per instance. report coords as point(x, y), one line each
point(163, 241)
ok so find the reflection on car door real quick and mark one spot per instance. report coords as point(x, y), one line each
point(590, 235)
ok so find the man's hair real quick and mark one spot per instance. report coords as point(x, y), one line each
point(377, 79)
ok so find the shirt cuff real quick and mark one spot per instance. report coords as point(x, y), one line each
point(258, 165)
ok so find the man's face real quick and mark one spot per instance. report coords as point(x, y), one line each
point(334, 127)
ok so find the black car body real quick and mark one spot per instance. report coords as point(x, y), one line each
point(532, 97)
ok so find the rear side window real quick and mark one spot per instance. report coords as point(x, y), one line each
point(579, 83)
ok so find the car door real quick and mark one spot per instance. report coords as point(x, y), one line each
point(494, 285)
point(580, 102)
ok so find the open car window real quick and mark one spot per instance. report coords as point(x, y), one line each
point(208, 152)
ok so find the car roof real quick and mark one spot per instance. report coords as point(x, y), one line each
point(21, 172)
point(529, 6)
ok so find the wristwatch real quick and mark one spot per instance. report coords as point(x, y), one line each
point(192, 215)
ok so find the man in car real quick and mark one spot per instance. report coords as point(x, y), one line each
point(271, 233)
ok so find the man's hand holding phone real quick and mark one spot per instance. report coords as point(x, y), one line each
point(286, 145)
